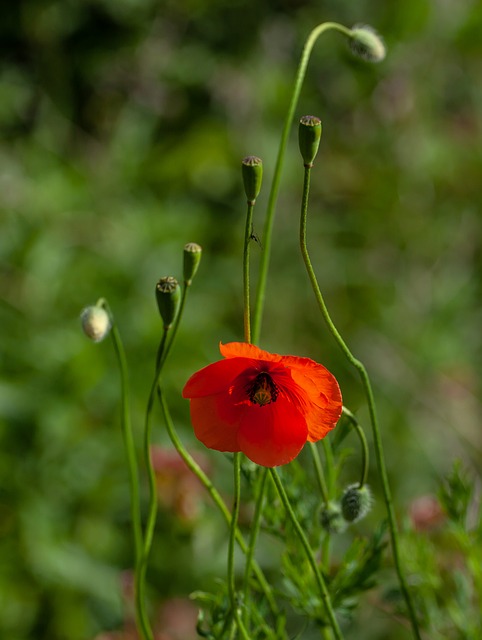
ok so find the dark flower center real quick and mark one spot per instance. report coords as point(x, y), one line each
point(262, 390)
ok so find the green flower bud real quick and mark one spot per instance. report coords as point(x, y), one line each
point(309, 135)
point(366, 43)
point(356, 502)
point(95, 323)
point(331, 518)
point(252, 168)
point(192, 258)
point(168, 295)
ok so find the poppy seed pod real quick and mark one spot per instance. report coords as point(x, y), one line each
point(309, 135)
point(356, 502)
point(252, 168)
point(192, 258)
point(331, 518)
point(367, 44)
point(95, 323)
point(168, 295)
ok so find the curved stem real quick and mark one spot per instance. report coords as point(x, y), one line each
point(128, 443)
point(273, 196)
point(325, 596)
point(371, 407)
point(319, 472)
point(364, 445)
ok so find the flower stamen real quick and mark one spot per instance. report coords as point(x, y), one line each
point(262, 390)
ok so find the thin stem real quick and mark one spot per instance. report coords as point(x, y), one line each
point(331, 480)
point(162, 357)
point(232, 538)
point(152, 510)
point(319, 472)
point(273, 196)
point(246, 293)
point(217, 499)
point(255, 526)
point(364, 445)
point(394, 536)
point(128, 443)
point(325, 596)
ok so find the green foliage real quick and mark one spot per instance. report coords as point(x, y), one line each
point(448, 558)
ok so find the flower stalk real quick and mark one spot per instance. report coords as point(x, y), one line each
point(379, 453)
point(129, 448)
point(273, 195)
point(325, 596)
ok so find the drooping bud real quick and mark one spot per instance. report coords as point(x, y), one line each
point(95, 323)
point(192, 258)
point(309, 134)
point(366, 43)
point(168, 295)
point(356, 502)
point(331, 518)
point(252, 168)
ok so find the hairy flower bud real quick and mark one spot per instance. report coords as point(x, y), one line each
point(252, 168)
point(366, 43)
point(95, 323)
point(356, 502)
point(309, 135)
point(331, 518)
point(192, 258)
point(168, 294)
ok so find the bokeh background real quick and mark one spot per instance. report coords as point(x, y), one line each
point(123, 125)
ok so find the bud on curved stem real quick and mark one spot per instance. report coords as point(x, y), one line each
point(309, 135)
point(96, 322)
point(168, 295)
point(192, 258)
point(356, 502)
point(366, 43)
point(252, 169)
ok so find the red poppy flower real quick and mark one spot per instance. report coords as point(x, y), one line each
point(262, 404)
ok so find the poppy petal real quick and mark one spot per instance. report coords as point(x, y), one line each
point(272, 435)
point(246, 350)
point(322, 395)
point(215, 420)
point(214, 378)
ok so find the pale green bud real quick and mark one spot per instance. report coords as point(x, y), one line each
point(95, 323)
point(331, 518)
point(356, 502)
point(366, 43)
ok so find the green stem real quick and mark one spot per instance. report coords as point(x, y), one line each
point(128, 443)
point(217, 499)
point(152, 510)
point(232, 538)
point(325, 596)
point(364, 445)
point(394, 537)
point(331, 481)
point(273, 196)
point(246, 294)
point(255, 527)
point(319, 472)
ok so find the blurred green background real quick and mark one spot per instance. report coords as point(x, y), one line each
point(123, 125)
